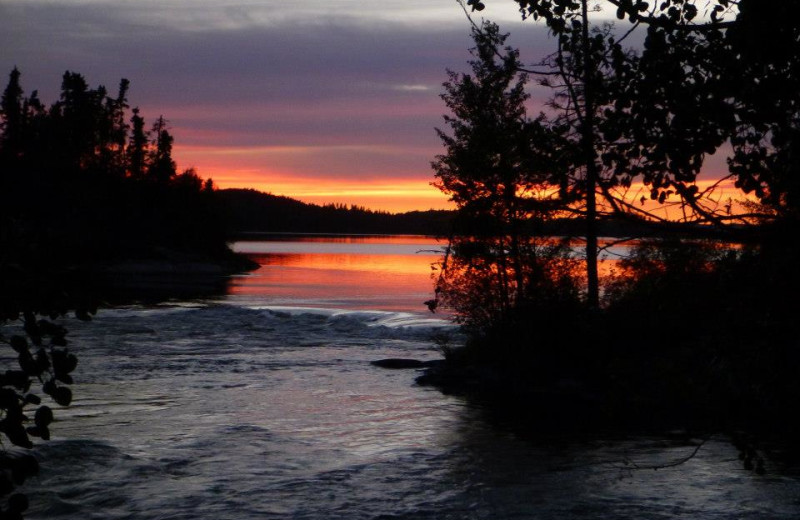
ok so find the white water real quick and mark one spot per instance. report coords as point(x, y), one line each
point(237, 410)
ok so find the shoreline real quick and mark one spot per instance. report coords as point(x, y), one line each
point(570, 405)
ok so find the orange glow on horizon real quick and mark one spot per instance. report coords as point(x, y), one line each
point(395, 196)
point(392, 195)
point(391, 191)
point(347, 177)
point(401, 195)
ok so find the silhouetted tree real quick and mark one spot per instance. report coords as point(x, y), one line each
point(583, 66)
point(11, 111)
point(162, 167)
point(703, 78)
point(501, 170)
point(137, 147)
point(74, 120)
point(115, 132)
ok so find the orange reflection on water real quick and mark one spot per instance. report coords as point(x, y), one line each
point(408, 265)
point(381, 273)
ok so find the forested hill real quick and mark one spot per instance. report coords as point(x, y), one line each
point(248, 210)
point(252, 211)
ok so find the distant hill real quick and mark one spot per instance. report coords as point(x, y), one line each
point(251, 211)
point(248, 210)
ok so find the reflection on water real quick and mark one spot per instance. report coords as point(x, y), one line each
point(380, 273)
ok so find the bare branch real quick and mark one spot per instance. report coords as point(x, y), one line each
point(478, 29)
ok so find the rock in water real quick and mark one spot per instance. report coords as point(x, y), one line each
point(398, 363)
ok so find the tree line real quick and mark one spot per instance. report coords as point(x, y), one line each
point(86, 177)
point(87, 131)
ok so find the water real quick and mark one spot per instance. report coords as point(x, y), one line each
point(262, 404)
point(352, 272)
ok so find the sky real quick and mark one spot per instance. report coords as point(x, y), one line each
point(320, 100)
point(325, 101)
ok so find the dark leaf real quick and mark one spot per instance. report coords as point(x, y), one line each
point(63, 361)
point(43, 416)
point(18, 437)
point(33, 399)
point(8, 398)
point(49, 387)
point(65, 378)
point(62, 396)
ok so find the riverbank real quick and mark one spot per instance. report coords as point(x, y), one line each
point(169, 275)
point(150, 275)
point(567, 403)
point(729, 383)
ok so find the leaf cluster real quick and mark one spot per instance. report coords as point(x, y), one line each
point(44, 367)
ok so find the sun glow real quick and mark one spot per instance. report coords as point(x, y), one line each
point(394, 178)
point(377, 177)
point(392, 195)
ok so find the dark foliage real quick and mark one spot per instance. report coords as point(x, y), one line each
point(44, 364)
point(709, 74)
point(81, 186)
point(710, 330)
point(693, 334)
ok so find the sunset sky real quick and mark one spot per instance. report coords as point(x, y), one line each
point(321, 100)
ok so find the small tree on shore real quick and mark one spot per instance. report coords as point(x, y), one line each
point(499, 170)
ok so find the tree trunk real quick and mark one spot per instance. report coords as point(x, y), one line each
point(587, 137)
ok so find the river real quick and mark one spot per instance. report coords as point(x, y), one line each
point(261, 403)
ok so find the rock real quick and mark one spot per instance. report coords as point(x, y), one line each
point(398, 363)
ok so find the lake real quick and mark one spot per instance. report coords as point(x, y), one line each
point(262, 404)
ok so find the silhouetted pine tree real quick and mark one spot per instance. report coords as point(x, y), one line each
point(162, 167)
